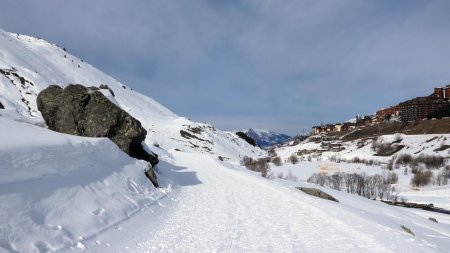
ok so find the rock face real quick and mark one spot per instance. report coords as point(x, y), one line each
point(83, 111)
point(1, 106)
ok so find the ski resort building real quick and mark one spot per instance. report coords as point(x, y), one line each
point(418, 108)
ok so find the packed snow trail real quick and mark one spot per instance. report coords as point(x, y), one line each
point(220, 209)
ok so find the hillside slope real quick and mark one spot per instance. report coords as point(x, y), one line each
point(29, 65)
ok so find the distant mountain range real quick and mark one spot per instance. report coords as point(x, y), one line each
point(266, 138)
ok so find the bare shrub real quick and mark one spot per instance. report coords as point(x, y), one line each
point(259, 165)
point(369, 162)
point(333, 158)
point(442, 177)
point(272, 152)
point(375, 186)
point(276, 160)
point(356, 159)
point(246, 161)
point(431, 161)
point(318, 178)
point(391, 178)
point(337, 181)
point(293, 158)
point(404, 159)
point(421, 178)
point(390, 165)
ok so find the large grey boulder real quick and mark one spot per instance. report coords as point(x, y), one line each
point(84, 111)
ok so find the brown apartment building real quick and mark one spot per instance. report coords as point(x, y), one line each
point(419, 108)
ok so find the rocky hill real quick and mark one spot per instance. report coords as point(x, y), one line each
point(266, 138)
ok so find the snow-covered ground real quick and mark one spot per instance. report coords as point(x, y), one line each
point(415, 145)
point(221, 208)
point(63, 193)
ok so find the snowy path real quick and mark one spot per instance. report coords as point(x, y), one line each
point(231, 211)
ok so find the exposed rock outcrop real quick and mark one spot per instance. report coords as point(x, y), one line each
point(83, 111)
point(1, 106)
point(317, 193)
point(407, 230)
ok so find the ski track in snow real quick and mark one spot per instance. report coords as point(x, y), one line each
point(231, 211)
point(245, 218)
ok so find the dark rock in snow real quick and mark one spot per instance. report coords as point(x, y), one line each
point(151, 175)
point(432, 219)
point(83, 111)
point(407, 230)
point(1, 106)
point(317, 193)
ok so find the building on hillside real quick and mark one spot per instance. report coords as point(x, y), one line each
point(336, 146)
point(317, 129)
point(331, 128)
point(349, 126)
point(328, 128)
point(387, 113)
point(374, 119)
point(442, 92)
point(339, 127)
point(362, 121)
point(419, 108)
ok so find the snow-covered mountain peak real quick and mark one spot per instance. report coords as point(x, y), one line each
point(266, 138)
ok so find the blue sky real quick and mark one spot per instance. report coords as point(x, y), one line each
point(278, 65)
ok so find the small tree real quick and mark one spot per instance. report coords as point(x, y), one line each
point(293, 159)
point(421, 178)
point(276, 160)
point(272, 152)
point(391, 178)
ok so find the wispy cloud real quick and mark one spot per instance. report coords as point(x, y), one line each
point(283, 65)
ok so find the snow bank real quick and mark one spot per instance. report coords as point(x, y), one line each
point(57, 189)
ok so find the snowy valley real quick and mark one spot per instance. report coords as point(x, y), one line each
point(67, 193)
